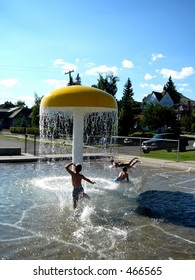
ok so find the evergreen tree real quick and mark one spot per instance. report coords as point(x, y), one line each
point(171, 89)
point(169, 86)
point(77, 80)
point(127, 93)
point(73, 82)
point(126, 115)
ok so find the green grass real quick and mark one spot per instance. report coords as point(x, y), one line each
point(174, 156)
point(12, 137)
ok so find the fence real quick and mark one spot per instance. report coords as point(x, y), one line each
point(161, 148)
point(34, 143)
point(131, 146)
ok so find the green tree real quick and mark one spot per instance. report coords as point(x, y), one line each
point(77, 80)
point(126, 112)
point(108, 84)
point(20, 104)
point(171, 89)
point(157, 117)
point(73, 82)
point(186, 122)
point(35, 111)
point(7, 105)
point(20, 121)
point(127, 91)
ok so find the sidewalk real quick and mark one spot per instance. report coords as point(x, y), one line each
point(188, 166)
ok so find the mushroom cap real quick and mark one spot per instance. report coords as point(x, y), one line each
point(88, 99)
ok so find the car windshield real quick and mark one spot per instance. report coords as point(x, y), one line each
point(159, 136)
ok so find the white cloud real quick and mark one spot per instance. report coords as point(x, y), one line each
point(185, 72)
point(127, 63)
point(56, 83)
point(149, 76)
point(12, 82)
point(101, 69)
point(14, 97)
point(155, 87)
point(58, 62)
point(89, 64)
point(183, 87)
point(29, 100)
point(157, 56)
point(65, 66)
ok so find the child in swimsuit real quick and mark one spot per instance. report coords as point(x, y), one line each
point(122, 175)
point(130, 164)
point(78, 191)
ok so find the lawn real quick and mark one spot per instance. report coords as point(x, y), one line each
point(174, 155)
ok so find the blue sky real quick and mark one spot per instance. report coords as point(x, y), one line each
point(144, 40)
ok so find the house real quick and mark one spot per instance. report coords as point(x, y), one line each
point(16, 116)
point(174, 100)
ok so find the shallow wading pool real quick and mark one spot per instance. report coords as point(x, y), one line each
point(37, 220)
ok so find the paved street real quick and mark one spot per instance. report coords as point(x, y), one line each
point(9, 142)
point(31, 146)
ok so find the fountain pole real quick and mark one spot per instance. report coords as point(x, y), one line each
point(77, 145)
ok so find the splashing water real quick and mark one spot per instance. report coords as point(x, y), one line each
point(98, 129)
point(37, 220)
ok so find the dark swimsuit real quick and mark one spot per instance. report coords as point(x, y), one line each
point(77, 192)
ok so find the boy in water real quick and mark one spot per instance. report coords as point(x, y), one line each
point(129, 164)
point(78, 190)
point(122, 175)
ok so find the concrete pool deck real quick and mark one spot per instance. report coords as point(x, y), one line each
point(187, 166)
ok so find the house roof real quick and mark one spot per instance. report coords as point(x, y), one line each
point(3, 110)
point(159, 95)
point(25, 111)
point(13, 112)
point(18, 110)
point(185, 100)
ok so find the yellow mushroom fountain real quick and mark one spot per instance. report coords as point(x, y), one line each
point(78, 100)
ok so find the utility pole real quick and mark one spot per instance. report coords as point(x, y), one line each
point(70, 77)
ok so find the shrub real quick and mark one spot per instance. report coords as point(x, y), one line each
point(20, 130)
point(23, 130)
point(32, 130)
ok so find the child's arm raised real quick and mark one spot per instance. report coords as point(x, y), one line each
point(67, 167)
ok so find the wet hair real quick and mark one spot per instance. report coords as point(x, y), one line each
point(125, 169)
point(78, 168)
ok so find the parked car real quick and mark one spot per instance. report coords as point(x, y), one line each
point(137, 138)
point(165, 141)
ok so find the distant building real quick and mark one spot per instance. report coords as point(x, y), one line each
point(177, 100)
point(15, 116)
